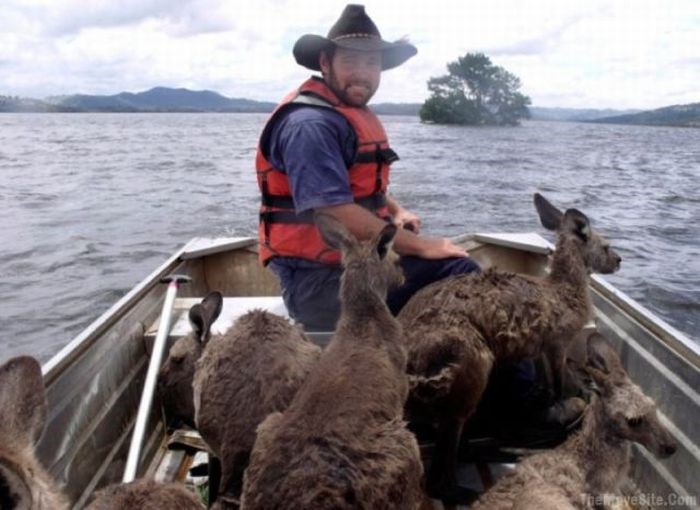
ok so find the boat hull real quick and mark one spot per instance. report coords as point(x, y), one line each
point(94, 384)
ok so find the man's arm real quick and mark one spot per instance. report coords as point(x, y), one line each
point(310, 147)
point(365, 225)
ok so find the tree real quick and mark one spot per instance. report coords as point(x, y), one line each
point(475, 92)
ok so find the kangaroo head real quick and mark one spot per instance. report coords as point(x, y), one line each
point(23, 482)
point(374, 261)
point(575, 227)
point(176, 374)
point(630, 414)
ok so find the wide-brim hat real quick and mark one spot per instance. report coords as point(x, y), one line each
point(354, 30)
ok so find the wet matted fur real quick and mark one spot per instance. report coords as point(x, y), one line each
point(595, 461)
point(254, 369)
point(459, 328)
point(24, 483)
point(145, 495)
point(176, 375)
point(342, 443)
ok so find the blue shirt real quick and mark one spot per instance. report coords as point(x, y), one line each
point(314, 146)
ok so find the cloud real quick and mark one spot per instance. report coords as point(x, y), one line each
point(545, 42)
point(594, 53)
point(530, 47)
point(69, 17)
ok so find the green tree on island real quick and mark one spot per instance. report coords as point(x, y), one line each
point(476, 92)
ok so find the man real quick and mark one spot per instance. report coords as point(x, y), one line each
point(324, 150)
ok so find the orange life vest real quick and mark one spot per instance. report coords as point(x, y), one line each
point(284, 233)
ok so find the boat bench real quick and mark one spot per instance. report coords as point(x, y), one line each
point(233, 308)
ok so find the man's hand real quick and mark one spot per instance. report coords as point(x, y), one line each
point(440, 248)
point(401, 217)
point(365, 225)
point(406, 219)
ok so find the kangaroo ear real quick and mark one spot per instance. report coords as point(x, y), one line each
point(204, 314)
point(23, 404)
point(550, 216)
point(385, 239)
point(196, 317)
point(211, 306)
point(601, 355)
point(15, 491)
point(333, 232)
point(577, 223)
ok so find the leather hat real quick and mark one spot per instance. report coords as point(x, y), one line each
point(356, 31)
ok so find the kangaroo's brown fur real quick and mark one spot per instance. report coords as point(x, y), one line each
point(24, 483)
point(252, 370)
point(459, 328)
point(145, 495)
point(176, 374)
point(342, 443)
point(595, 461)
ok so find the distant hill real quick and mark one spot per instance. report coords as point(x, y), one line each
point(574, 114)
point(162, 99)
point(685, 115)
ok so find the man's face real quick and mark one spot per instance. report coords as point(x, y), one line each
point(353, 75)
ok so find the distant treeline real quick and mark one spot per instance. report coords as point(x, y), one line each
point(163, 99)
point(18, 105)
point(158, 99)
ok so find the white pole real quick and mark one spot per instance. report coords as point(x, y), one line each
point(132, 461)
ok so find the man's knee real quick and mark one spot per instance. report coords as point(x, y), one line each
point(461, 266)
point(422, 272)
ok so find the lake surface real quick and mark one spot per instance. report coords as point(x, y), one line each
point(92, 203)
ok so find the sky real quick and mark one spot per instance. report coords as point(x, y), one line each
point(568, 53)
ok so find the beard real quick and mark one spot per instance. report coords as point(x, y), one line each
point(355, 93)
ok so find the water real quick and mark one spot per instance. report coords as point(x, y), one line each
point(92, 203)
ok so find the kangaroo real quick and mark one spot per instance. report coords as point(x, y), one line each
point(594, 462)
point(252, 370)
point(176, 374)
point(342, 442)
point(459, 328)
point(24, 483)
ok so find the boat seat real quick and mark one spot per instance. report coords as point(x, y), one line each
point(233, 308)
